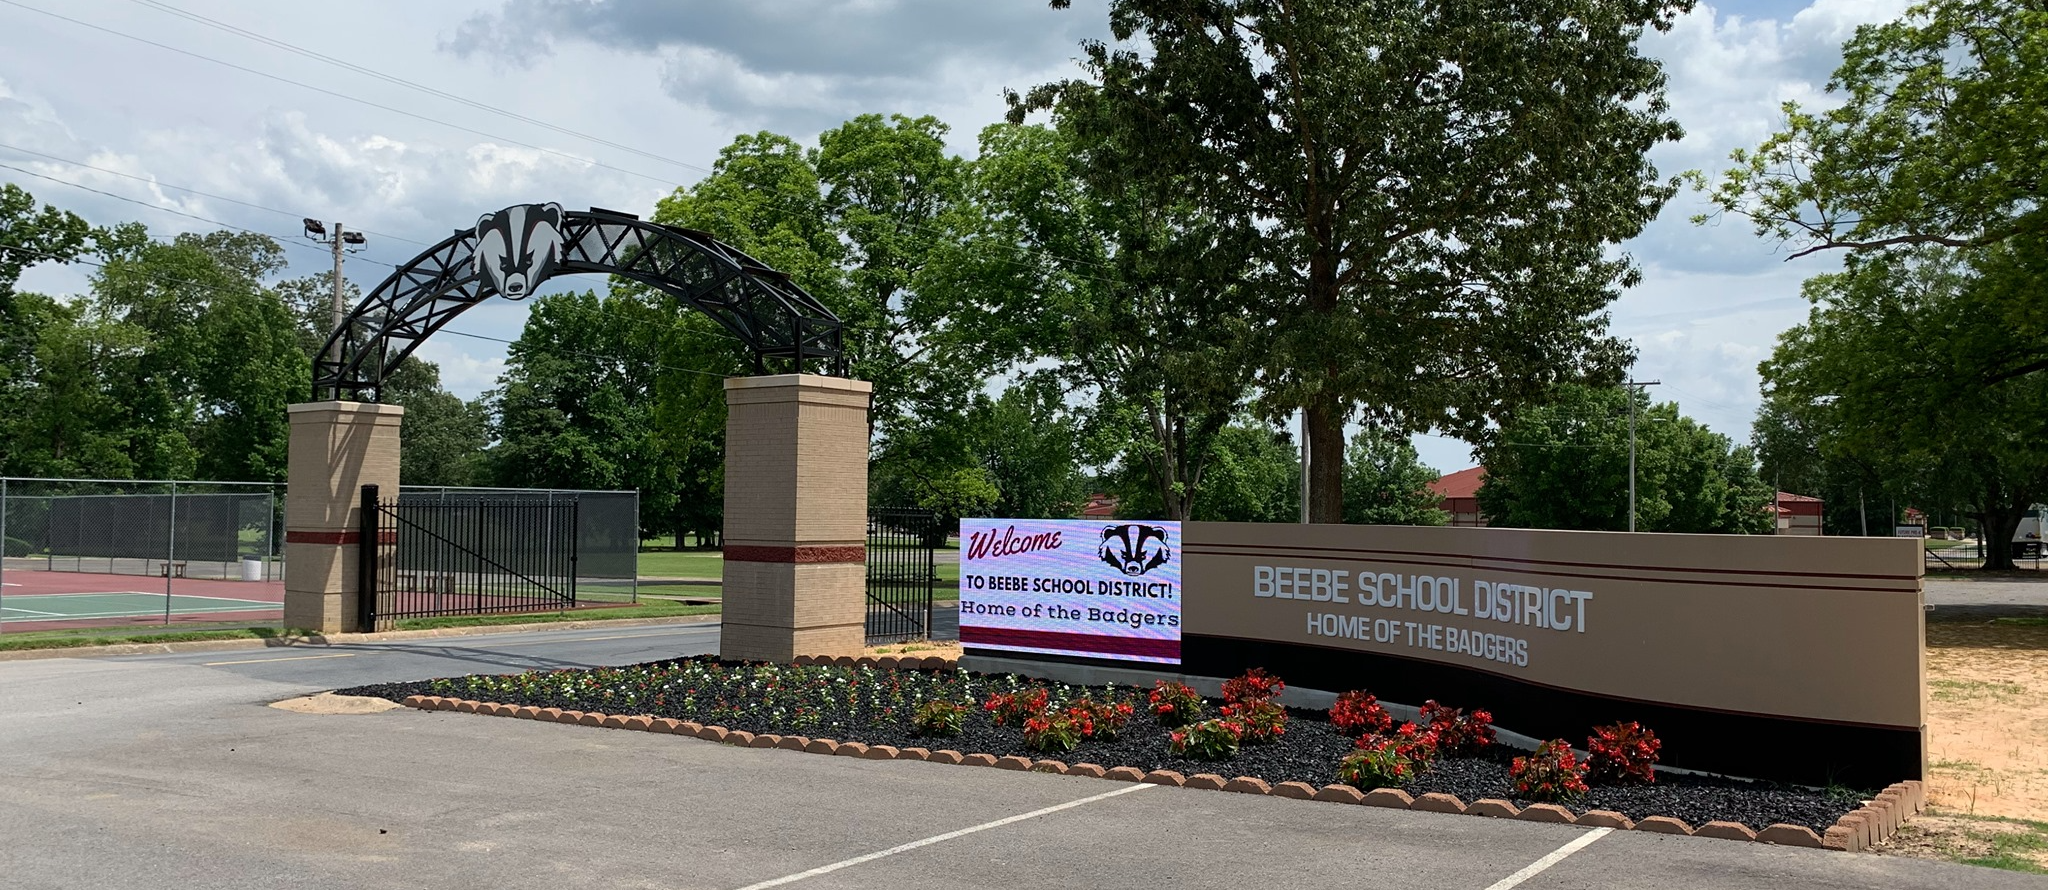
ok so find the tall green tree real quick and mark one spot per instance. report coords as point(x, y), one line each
point(1439, 188)
point(28, 236)
point(1132, 295)
point(1386, 483)
point(1788, 438)
point(1031, 444)
point(854, 221)
point(574, 407)
point(67, 420)
point(1939, 140)
point(1565, 465)
point(441, 438)
point(1888, 370)
point(208, 393)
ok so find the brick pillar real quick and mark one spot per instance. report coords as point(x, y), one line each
point(336, 449)
point(796, 514)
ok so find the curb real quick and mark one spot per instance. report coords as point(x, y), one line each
point(1877, 821)
point(326, 640)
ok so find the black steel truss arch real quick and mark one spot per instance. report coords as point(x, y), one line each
point(523, 246)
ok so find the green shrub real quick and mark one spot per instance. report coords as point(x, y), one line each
point(939, 718)
point(1207, 740)
point(1377, 763)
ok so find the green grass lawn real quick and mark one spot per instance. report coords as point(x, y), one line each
point(689, 564)
point(646, 609)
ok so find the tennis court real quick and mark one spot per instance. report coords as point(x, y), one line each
point(43, 600)
point(119, 604)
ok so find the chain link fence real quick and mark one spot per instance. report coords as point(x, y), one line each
point(90, 552)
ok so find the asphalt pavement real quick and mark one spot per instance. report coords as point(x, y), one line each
point(170, 771)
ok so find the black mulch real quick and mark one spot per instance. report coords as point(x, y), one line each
point(1309, 752)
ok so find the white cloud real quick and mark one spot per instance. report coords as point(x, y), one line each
point(661, 78)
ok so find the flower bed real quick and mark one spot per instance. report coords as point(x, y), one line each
point(880, 706)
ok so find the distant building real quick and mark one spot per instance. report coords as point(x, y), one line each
point(1460, 493)
point(1798, 514)
point(1099, 506)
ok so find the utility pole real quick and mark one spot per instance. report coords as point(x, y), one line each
point(343, 241)
point(1304, 467)
point(1632, 447)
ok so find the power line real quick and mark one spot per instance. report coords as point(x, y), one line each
point(163, 209)
point(399, 81)
point(219, 290)
point(157, 182)
point(1011, 247)
point(337, 95)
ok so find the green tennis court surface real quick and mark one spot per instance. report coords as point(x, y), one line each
point(124, 604)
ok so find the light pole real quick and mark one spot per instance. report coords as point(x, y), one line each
point(343, 241)
point(1632, 447)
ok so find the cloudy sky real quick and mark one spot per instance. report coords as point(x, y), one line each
point(183, 113)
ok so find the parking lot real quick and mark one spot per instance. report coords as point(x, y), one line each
point(170, 770)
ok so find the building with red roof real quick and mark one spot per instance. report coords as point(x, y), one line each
point(1460, 493)
point(1798, 514)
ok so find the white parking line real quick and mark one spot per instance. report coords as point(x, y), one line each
point(268, 660)
point(939, 838)
point(1556, 856)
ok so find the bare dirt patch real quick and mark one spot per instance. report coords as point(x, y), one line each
point(329, 703)
point(1987, 719)
point(2010, 845)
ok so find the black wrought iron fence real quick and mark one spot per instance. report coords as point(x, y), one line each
point(902, 571)
point(470, 557)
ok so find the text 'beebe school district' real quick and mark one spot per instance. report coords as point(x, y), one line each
point(1550, 608)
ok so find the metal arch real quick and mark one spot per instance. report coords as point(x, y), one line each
point(761, 306)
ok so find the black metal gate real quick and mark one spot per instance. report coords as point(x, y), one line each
point(471, 557)
point(902, 570)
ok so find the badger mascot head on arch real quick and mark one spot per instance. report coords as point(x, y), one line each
point(518, 247)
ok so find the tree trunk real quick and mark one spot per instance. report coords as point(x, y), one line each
point(1999, 526)
point(1325, 459)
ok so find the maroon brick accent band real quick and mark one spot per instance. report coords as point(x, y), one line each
point(337, 539)
point(798, 555)
point(332, 538)
point(1082, 644)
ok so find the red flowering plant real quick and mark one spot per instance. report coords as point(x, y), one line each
point(1261, 720)
point(1377, 763)
point(1622, 754)
point(1552, 773)
point(1010, 708)
point(1456, 731)
point(1208, 740)
point(1253, 685)
point(939, 718)
point(1056, 731)
point(1175, 704)
point(1106, 719)
point(1419, 745)
point(1358, 713)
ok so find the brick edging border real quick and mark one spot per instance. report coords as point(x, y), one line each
point(1872, 824)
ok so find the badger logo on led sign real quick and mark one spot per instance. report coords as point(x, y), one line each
point(1134, 549)
point(518, 247)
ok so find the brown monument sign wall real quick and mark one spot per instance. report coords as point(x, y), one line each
point(1788, 658)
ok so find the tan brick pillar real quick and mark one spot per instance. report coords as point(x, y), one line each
point(336, 449)
point(796, 515)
